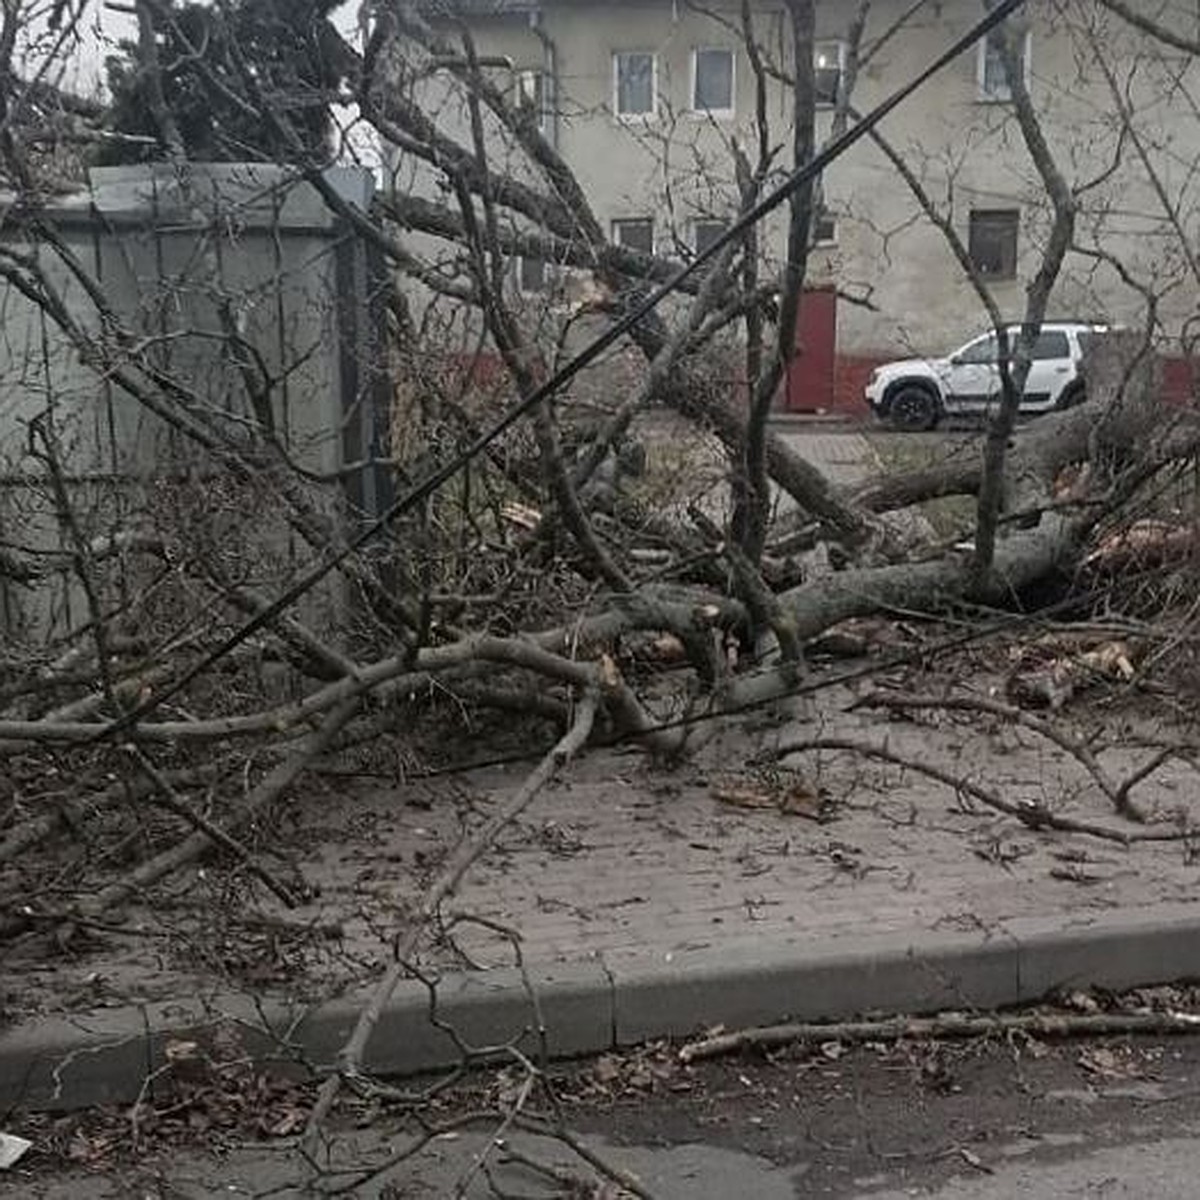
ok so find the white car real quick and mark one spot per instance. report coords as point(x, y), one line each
point(916, 393)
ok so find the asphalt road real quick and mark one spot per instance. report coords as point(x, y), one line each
point(979, 1121)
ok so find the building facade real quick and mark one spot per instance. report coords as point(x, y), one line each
point(650, 102)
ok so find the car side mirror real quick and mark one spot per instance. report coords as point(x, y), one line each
point(956, 360)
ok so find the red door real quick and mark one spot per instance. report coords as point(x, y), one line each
point(809, 386)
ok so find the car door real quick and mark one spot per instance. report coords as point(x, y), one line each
point(1050, 369)
point(971, 376)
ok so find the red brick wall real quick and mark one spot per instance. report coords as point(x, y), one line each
point(851, 372)
point(1179, 380)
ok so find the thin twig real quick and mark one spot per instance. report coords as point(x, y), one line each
point(444, 886)
point(1029, 813)
point(1118, 793)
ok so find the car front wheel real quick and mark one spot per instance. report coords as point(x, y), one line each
point(913, 409)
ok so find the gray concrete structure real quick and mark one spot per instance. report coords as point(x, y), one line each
point(164, 255)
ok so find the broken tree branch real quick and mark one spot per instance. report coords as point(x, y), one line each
point(443, 887)
point(948, 1025)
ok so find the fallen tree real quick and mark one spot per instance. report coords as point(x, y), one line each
point(525, 567)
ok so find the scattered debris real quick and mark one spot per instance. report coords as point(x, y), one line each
point(12, 1150)
point(1143, 544)
point(521, 515)
point(1051, 670)
point(780, 791)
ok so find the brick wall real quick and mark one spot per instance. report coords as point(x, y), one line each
point(851, 372)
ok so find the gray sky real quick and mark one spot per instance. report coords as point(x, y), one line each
point(81, 61)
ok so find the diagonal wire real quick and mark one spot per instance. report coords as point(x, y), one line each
point(420, 491)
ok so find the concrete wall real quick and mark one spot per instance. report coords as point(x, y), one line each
point(967, 153)
point(164, 256)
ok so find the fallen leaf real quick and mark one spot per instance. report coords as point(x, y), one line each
point(668, 649)
point(1112, 659)
point(799, 800)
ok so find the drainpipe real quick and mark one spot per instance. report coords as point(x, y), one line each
point(549, 74)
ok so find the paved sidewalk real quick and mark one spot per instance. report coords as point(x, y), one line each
point(648, 905)
point(844, 456)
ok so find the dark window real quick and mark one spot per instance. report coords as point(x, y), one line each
point(993, 242)
point(1050, 344)
point(707, 232)
point(712, 81)
point(634, 233)
point(532, 275)
point(824, 227)
point(829, 60)
point(634, 72)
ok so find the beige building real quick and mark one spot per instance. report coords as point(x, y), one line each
point(646, 101)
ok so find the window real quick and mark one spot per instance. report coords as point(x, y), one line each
point(634, 83)
point(532, 275)
point(706, 232)
point(634, 233)
point(978, 353)
point(531, 95)
point(992, 75)
point(993, 242)
point(1050, 344)
point(712, 82)
point(829, 61)
point(824, 227)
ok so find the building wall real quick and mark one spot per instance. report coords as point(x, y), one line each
point(967, 153)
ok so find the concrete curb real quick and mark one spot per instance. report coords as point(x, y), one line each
point(112, 1055)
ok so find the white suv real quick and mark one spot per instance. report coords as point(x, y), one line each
point(916, 393)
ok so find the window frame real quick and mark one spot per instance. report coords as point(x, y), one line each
point(538, 104)
point(722, 223)
point(1043, 334)
point(823, 212)
point(982, 215)
point(718, 114)
point(1003, 95)
point(547, 285)
point(619, 223)
point(841, 70)
point(652, 112)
